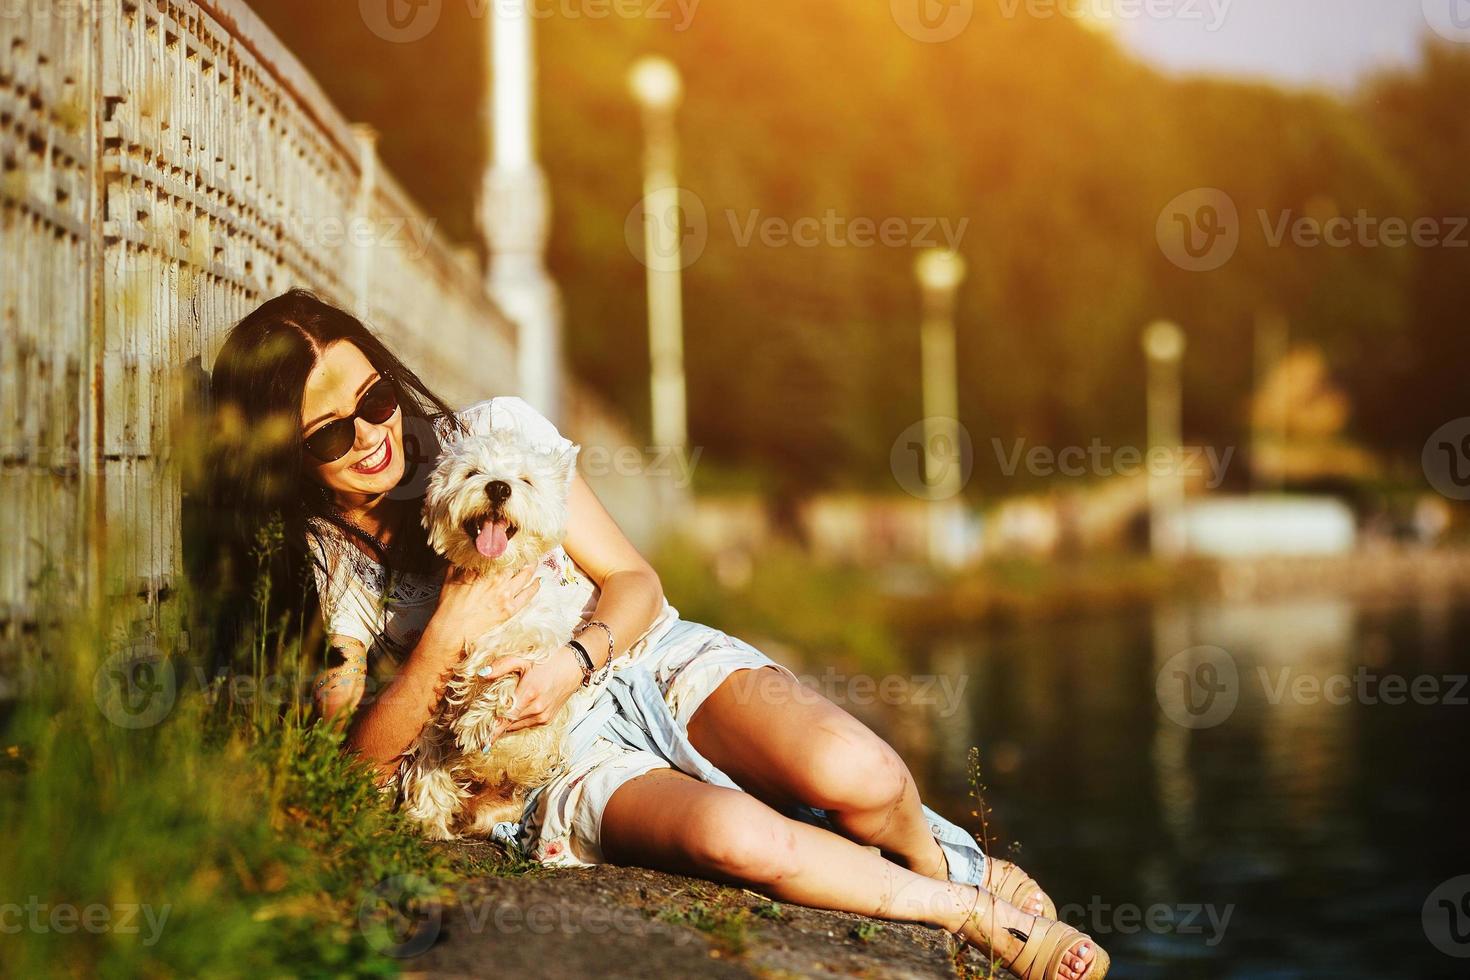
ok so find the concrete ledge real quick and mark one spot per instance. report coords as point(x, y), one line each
point(612, 922)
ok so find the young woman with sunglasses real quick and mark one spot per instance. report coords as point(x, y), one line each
point(311, 413)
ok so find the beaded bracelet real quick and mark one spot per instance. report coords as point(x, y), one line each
point(338, 674)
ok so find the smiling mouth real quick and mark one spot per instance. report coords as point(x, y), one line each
point(377, 461)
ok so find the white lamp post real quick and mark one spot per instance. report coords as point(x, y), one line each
point(1163, 344)
point(940, 273)
point(516, 208)
point(656, 85)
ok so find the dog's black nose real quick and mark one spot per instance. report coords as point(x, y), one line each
point(499, 491)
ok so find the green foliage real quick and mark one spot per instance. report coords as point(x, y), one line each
point(1414, 115)
point(1058, 148)
point(830, 614)
point(228, 839)
point(728, 928)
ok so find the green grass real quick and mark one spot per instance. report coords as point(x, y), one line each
point(830, 613)
point(768, 910)
point(230, 838)
point(727, 928)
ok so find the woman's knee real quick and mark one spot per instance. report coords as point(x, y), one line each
point(852, 771)
point(735, 836)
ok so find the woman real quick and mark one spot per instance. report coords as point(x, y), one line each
point(314, 418)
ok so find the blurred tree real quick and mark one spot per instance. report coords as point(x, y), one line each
point(1049, 146)
point(1419, 117)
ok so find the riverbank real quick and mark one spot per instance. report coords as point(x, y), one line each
point(629, 922)
point(1023, 591)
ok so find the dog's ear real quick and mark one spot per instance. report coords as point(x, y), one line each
point(565, 465)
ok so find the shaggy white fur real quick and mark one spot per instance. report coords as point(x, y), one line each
point(493, 502)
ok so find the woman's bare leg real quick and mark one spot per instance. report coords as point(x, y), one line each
point(787, 744)
point(668, 820)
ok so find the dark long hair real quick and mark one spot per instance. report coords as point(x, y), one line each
point(257, 466)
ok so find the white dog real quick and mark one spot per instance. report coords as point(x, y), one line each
point(493, 502)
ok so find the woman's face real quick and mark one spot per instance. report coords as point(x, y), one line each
point(374, 464)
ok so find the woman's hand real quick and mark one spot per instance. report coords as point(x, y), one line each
point(543, 688)
point(338, 690)
point(472, 605)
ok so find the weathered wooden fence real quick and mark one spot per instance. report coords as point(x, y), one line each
point(167, 164)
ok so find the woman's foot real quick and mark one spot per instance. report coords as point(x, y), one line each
point(1002, 878)
point(1004, 931)
point(1009, 883)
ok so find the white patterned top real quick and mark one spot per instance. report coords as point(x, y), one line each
point(387, 618)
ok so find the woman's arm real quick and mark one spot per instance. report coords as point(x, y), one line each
point(387, 726)
point(631, 598)
point(632, 595)
point(338, 690)
point(469, 607)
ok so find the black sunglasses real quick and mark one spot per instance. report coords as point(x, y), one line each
point(335, 439)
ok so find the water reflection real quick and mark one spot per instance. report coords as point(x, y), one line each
point(1311, 819)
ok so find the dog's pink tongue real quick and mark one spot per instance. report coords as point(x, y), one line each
point(491, 541)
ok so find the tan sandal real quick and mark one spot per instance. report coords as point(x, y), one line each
point(1009, 883)
point(1049, 941)
point(1041, 955)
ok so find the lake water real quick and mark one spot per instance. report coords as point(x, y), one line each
point(1293, 825)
